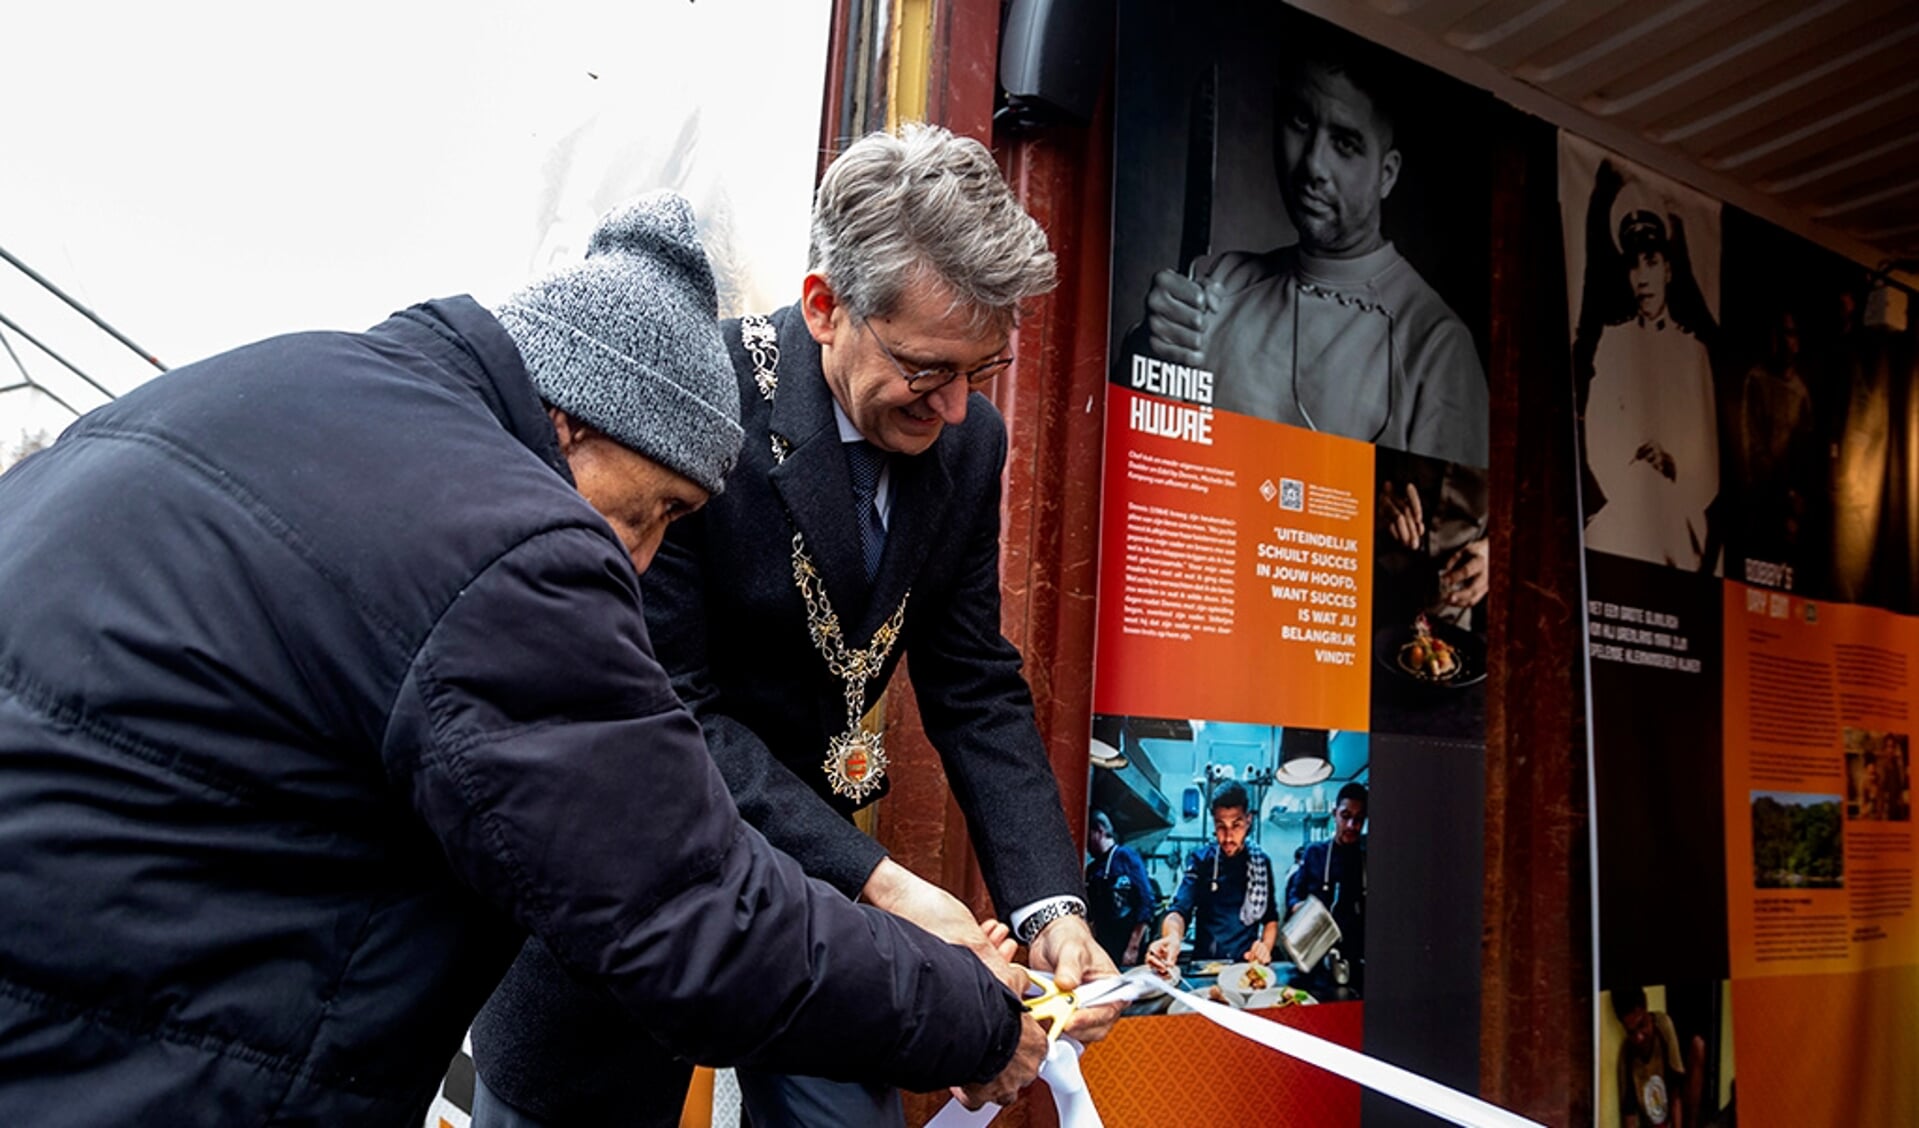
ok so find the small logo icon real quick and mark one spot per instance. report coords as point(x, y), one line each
point(1292, 494)
point(1812, 612)
point(1268, 490)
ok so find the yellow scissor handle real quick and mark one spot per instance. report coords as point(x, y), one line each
point(1049, 1006)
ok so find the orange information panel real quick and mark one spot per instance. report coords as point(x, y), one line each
point(1238, 570)
point(1819, 840)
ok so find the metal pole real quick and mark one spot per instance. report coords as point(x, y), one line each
point(84, 312)
point(35, 342)
point(27, 380)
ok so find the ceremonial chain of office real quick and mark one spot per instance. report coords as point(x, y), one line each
point(855, 759)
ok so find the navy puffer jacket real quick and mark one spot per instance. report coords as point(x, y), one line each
point(320, 687)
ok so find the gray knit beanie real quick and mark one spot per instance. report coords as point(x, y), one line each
point(628, 341)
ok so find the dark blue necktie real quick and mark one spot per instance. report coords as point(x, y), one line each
point(864, 462)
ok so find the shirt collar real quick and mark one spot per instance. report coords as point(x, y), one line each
point(848, 432)
point(1348, 271)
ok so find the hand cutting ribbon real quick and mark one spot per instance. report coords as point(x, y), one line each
point(1062, 1075)
point(1050, 1006)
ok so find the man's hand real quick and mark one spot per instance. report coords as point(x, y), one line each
point(1260, 953)
point(1176, 318)
point(1019, 1073)
point(906, 895)
point(1607, 180)
point(1468, 575)
point(1000, 937)
point(1162, 955)
point(1067, 949)
point(1402, 515)
point(1659, 459)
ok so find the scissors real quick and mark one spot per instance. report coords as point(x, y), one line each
point(1049, 1006)
point(1052, 1007)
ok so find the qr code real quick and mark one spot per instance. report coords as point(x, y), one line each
point(1292, 494)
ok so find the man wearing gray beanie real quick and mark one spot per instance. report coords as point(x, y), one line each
point(627, 342)
point(324, 682)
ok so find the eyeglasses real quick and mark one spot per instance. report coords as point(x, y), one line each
point(933, 379)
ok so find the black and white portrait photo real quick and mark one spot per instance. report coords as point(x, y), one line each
point(1285, 280)
point(1642, 257)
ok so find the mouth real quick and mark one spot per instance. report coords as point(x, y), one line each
point(1312, 203)
point(919, 415)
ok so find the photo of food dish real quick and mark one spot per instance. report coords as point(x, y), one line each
point(1434, 654)
point(1427, 657)
point(1279, 997)
point(1250, 986)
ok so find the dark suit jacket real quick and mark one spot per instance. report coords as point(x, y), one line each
point(730, 627)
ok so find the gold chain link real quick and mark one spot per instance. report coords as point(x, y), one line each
point(854, 666)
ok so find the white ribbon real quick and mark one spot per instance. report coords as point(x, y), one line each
point(1062, 1074)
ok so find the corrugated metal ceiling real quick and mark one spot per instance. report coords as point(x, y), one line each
point(1805, 111)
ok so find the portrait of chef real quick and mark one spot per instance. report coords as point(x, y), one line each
point(1337, 331)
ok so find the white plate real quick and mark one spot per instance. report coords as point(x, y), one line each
point(1233, 984)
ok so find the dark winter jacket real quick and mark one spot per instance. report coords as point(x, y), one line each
point(320, 687)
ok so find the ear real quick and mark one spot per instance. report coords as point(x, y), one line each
point(819, 304)
point(569, 432)
point(1388, 172)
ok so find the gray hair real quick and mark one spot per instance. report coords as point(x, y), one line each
point(893, 209)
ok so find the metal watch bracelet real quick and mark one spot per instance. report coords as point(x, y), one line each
point(1038, 919)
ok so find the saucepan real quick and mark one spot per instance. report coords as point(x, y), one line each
point(1309, 933)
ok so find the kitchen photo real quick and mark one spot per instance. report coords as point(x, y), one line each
point(1231, 857)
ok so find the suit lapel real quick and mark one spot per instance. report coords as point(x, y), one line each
point(817, 491)
point(813, 483)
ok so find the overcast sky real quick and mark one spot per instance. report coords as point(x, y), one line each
point(205, 173)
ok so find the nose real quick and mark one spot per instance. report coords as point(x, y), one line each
point(1312, 160)
point(950, 402)
point(642, 547)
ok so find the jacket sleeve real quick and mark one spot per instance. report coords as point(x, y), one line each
point(1298, 883)
point(771, 798)
point(543, 746)
point(1143, 905)
point(1188, 891)
point(978, 713)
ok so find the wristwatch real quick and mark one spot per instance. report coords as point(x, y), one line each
point(1048, 912)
